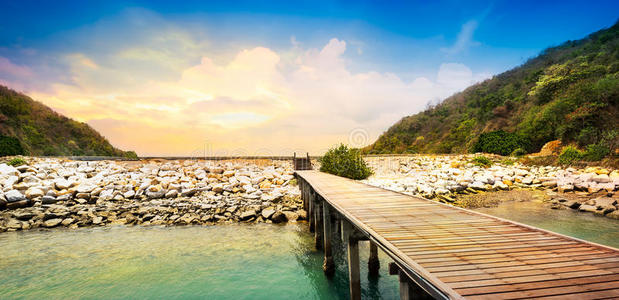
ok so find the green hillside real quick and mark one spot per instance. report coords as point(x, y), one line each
point(31, 128)
point(569, 92)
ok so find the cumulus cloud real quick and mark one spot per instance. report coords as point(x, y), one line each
point(258, 101)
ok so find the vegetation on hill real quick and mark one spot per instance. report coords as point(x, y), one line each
point(30, 128)
point(568, 93)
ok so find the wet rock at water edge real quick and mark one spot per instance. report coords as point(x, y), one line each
point(13, 224)
point(248, 215)
point(587, 208)
point(267, 213)
point(52, 223)
point(278, 217)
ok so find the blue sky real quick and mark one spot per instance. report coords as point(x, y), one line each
point(86, 57)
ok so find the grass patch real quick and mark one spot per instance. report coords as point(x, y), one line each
point(16, 162)
point(481, 161)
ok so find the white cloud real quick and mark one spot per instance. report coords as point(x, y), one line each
point(464, 40)
point(259, 101)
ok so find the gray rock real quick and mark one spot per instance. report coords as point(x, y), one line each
point(246, 215)
point(18, 204)
point(267, 213)
point(604, 201)
point(613, 215)
point(601, 178)
point(13, 224)
point(67, 221)
point(478, 185)
point(291, 216)
point(588, 208)
point(171, 194)
point(549, 183)
point(566, 188)
point(188, 192)
point(608, 209)
point(52, 222)
point(14, 196)
point(24, 215)
point(8, 170)
point(97, 220)
point(572, 204)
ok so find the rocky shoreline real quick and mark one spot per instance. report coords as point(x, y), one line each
point(446, 178)
point(48, 192)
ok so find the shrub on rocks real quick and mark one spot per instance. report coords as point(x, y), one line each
point(16, 162)
point(481, 161)
point(499, 142)
point(345, 162)
point(518, 152)
point(569, 155)
point(595, 152)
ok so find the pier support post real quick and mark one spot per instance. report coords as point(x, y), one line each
point(373, 262)
point(311, 210)
point(317, 222)
point(353, 260)
point(328, 266)
point(405, 290)
point(409, 290)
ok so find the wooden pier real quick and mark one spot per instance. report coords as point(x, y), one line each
point(445, 252)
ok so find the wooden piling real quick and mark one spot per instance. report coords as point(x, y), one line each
point(328, 265)
point(318, 231)
point(311, 210)
point(353, 269)
point(373, 262)
point(405, 290)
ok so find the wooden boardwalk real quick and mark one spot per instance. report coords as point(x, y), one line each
point(455, 253)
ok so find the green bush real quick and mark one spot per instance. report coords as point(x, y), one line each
point(518, 152)
point(595, 152)
point(16, 162)
point(570, 155)
point(481, 161)
point(346, 162)
point(131, 155)
point(508, 162)
point(499, 142)
point(10, 146)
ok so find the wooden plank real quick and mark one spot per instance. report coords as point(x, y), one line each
point(536, 285)
point(464, 253)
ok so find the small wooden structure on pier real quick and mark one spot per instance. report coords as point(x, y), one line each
point(301, 163)
point(445, 252)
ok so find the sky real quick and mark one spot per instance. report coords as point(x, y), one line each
point(193, 78)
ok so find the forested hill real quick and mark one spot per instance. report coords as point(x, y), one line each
point(31, 128)
point(569, 92)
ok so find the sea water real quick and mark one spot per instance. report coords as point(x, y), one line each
point(262, 261)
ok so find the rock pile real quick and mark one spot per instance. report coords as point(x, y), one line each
point(51, 192)
point(444, 177)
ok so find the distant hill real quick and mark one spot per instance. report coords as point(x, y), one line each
point(32, 128)
point(569, 92)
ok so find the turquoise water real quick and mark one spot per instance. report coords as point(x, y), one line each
point(216, 262)
point(569, 222)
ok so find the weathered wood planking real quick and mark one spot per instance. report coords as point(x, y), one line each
point(466, 254)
